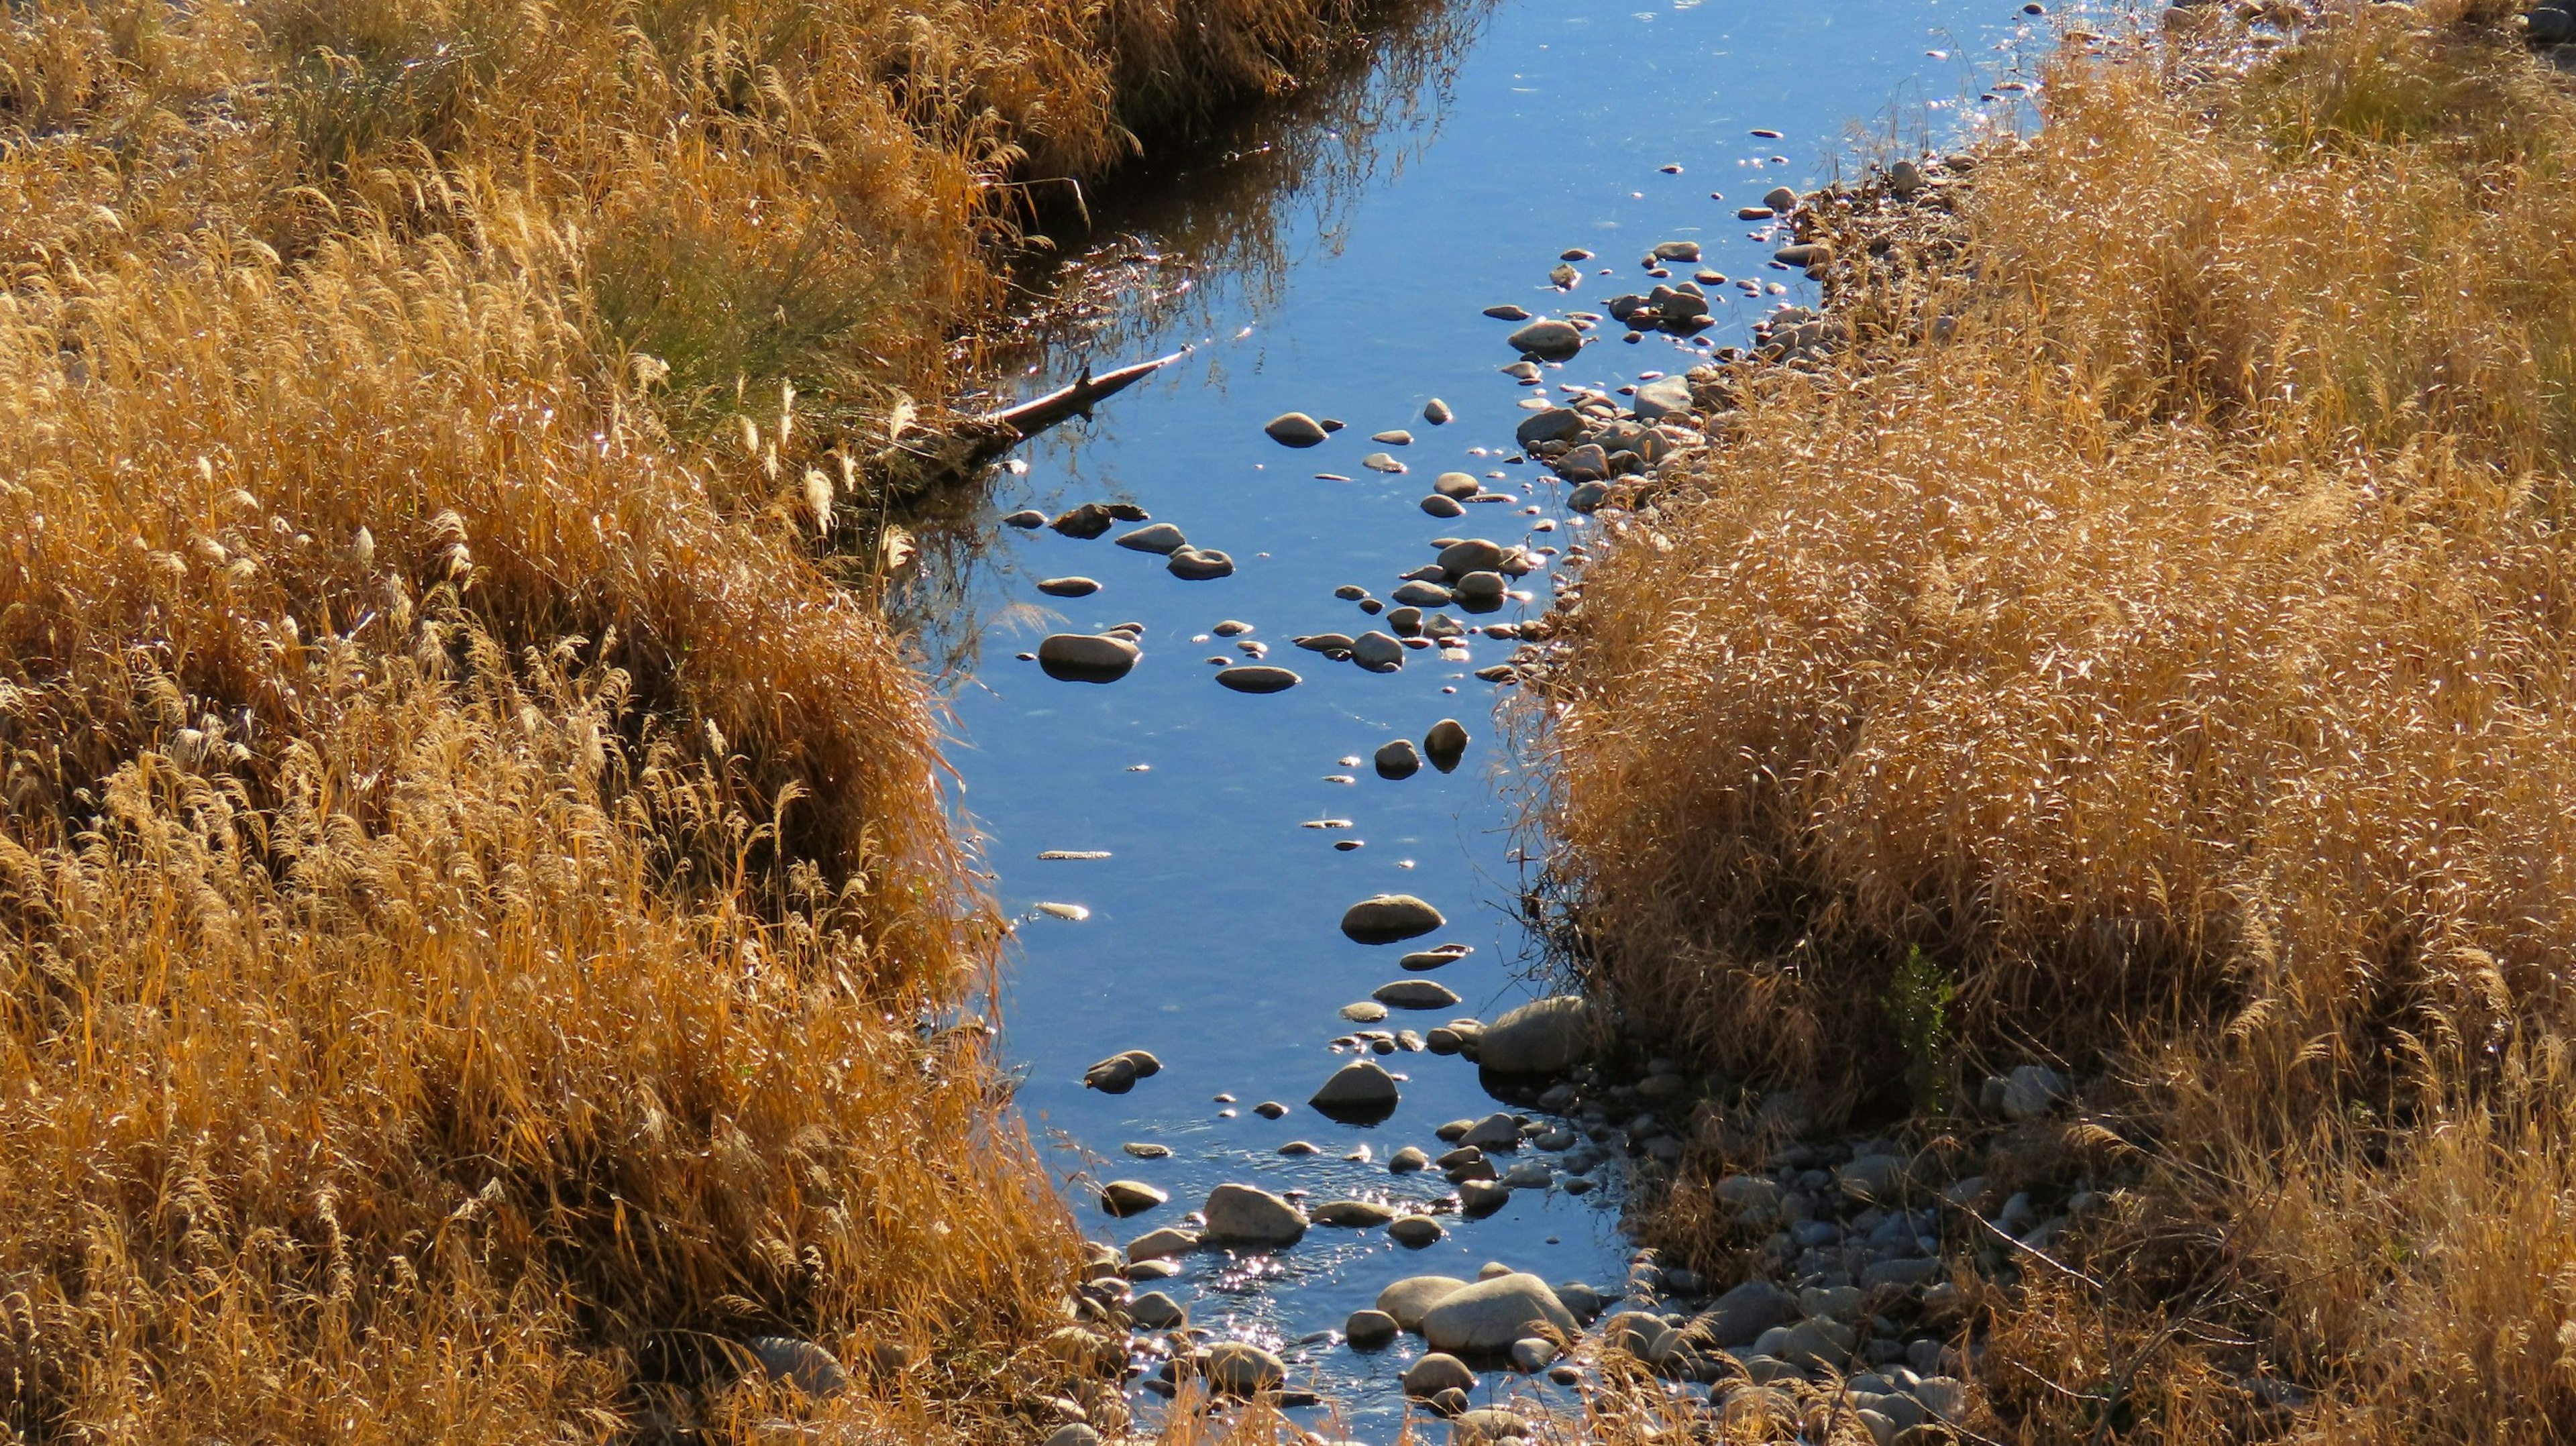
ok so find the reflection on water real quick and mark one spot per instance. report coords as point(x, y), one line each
point(1338, 257)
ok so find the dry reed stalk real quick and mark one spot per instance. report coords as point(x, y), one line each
point(2177, 655)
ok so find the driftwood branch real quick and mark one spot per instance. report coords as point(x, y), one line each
point(1032, 417)
point(924, 460)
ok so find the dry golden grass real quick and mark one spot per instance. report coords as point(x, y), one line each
point(2178, 656)
point(482, 926)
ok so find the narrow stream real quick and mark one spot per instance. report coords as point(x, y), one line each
point(1350, 285)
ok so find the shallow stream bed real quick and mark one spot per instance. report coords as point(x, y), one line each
point(1208, 910)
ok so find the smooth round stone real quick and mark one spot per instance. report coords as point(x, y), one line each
point(1456, 484)
point(1242, 1215)
point(1068, 586)
point(1026, 517)
point(1383, 462)
point(1414, 1231)
point(1677, 251)
point(1473, 554)
point(1299, 1148)
point(1532, 1355)
point(1231, 629)
point(1087, 657)
point(1240, 1368)
point(1359, 1089)
point(1407, 1299)
point(1506, 311)
point(1780, 199)
point(1494, 1312)
point(1200, 564)
point(1393, 437)
point(1324, 642)
point(1445, 744)
point(1481, 587)
point(1295, 429)
point(1156, 1311)
point(1437, 1373)
point(1258, 678)
point(1350, 592)
point(1353, 1214)
point(1438, 505)
point(1084, 522)
point(1123, 1198)
point(1437, 413)
point(1546, 1036)
point(1405, 622)
point(1408, 1160)
point(1144, 1150)
point(1161, 1244)
point(1270, 1110)
point(1421, 595)
point(1588, 497)
point(1160, 537)
point(1364, 1012)
point(1547, 340)
point(1415, 994)
point(1369, 1329)
point(1398, 759)
point(1390, 919)
point(1377, 652)
point(1482, 1197)
point(1425, 960)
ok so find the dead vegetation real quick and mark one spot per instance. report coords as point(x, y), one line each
point(2176, 654)
point(480, 923)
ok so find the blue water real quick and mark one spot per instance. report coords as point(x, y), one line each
point(1348, 282)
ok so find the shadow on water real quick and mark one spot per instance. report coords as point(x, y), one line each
point(1244, 204)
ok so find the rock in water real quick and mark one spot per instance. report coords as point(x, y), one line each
point(1408, 1298)
point(1415, 1231)
point(1437, 412)
point(1368, 1329)
point(1260, 678)
point(1068, 587)
point(1556, 424)
point(1781, 200)
point(1480, 587)
point(1160, 537)
point(1677, 251)
point(1456, 484)
point(1421, 595)
point(1025, 518)
point(1123, 1198)
point(1242, 1215)
point(1087, 657)
point(1546, 1036)
point(1393, 918)
point(1446, 744)
point(1377, 652)
point(1295, 429)
point(800, 1363)
point(1398, 760)
point(1438, 505)
point(1358, 1091)
point(1506, 311)
point(1491, 1314)
point(1547, 340)
point(1161, 1244)
point(1474, 554)
point(1588, 496)
point(1354, 1214)
point(1435, 1374)
point(1415, 994)
point(1239, 1368)
point(1663, 397)
point(1085, 522)
point(1199, 564)
point(1156, 1311)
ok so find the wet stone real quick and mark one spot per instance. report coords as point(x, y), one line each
point(1437, 412)
point(1156, 1311)
point(1353, 1214)
point(1437, 505)
point(1359, 1089)
point(1025, 518)
point(1123, 1198)
point(1547, 340)
point(1506, 311)
point(1087, 657)
point(1398, 759)
point(1445, 744)
point(1295, 429)
point(1199, 564)
point(1369, 1329)
point(1389, 919)
point(1377, 652)
point(1258, 678)
point(1364, 1012)
point(1239, 1368)
point(1415, 1231)
point(1161, 537)
point(1068, 586)
point(1393, 437)
point(1243, 1215)
point(1084, 522)
point(1421, 595)
point(1415, 994)
point(1456, 484)
point(1407, 1160)
point(1383, 462)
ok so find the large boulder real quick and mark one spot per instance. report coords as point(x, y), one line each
point(1491, 1314)
point(1547, 1036)
point(1242, 1215)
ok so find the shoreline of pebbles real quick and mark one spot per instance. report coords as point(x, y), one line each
point(1851, 1302)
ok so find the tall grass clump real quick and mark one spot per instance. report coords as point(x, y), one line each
point(2176, 655)
point(481, 932)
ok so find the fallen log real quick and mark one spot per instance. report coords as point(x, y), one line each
point(1032, 417)
point(924, 460)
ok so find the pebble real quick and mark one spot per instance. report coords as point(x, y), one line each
point(1398, 760)
point(1436, 1373)
point(1198, 564)
point(1414, 1231)
point(1482, 1197)
point(1429, 959)
point(1364, 1012)
point(1437, 412)
point(1026, 517)
point(1438, 505)
point(1394, 437)
point(1415, 994)
point(1068, 586)
point(1532, 1355)
point(1473, 554)
point(1359, 1089)
point(1299, 1147)
point(1258, 678)
point(1161, 537)
point(1677, 251)
point(1546, 1036)
point(1160, 1244)
point(1144, 1150)
point(1243, 1215)
point(1481, 587)
point(1295, 429)
point(1156, 1311)
point(800, 1363)
point(1354, 1214)
point(1081, 855)
point(1270, 1109)
point(1507, 312)
point(1392, 918)
point(1781, 200)
point(1123, 1198)
point(1087, 657)
point(1446, 744)
point(1377, 652)
point(1407, 1299)
point(1369, 1329)
point(1563, 277)
point(1240, 1368)
point(1554, 424)
point(1383, 462)
point(1085, 522)
point(1588, 496)
point(1547, 340)
point(1421, 595)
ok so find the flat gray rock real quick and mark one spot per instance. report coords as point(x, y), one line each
point(1258, 678)
point(1547, 340)
point(1415, 994)
point(1242, 1215)
point(1160, 537)
point(1408, 1298)
point(1389, 919)
point(1068, 586)
point(1491, 1314)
